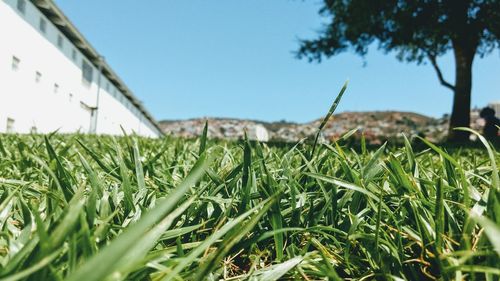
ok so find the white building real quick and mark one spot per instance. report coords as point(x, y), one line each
point(258, 133)
point(52, 79)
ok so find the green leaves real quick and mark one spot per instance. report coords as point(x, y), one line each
point(277, 271)
point(104, 208)
point(109, 259)
point(327, 117)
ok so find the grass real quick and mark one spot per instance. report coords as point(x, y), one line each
point(80, 207)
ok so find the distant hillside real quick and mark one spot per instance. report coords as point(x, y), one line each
point(222, 128)
point(377, 126)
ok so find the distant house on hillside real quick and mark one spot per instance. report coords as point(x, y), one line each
point(51, 78)
point(258, 133)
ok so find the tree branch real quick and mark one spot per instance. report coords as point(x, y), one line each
point(432, 58)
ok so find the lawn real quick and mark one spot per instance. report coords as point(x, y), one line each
point(77, 207)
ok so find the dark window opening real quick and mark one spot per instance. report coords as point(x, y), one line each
point(60, 41)
point(15, 63)
point(87, 72)
point(21, 6)
point(43, 25)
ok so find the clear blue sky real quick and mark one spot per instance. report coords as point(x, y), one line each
point(233, 58)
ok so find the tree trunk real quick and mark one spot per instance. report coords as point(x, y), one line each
point(460, 115)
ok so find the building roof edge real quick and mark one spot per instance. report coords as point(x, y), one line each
point(62, 22)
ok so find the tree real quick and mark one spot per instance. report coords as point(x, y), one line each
point(417, 31)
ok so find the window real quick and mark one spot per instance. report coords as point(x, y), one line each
point(73, 55)
point(43, 25)
point(56, 88)
point(38, 77)
point(87, 72)
point(21, 6)
point(10, 125)
point(60, 41)
point(107, 87)
point(15, 63)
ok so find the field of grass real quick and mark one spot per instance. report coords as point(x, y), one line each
point(79, 207)
point(99, 208)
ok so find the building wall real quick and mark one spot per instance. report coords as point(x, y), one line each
point(41, 83)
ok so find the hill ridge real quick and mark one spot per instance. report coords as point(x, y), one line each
point(377, 126)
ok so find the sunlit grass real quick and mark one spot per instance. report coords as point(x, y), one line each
point(81, 207)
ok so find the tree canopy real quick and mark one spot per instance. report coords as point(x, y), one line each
point(417, 31)
point(414, 29)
